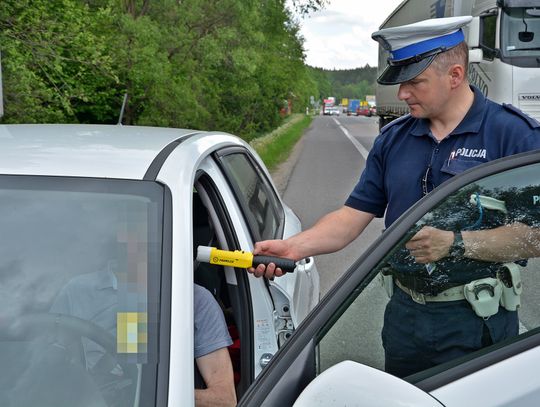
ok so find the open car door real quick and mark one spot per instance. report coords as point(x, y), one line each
point(336, 357)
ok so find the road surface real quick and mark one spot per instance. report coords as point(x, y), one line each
point(320, 175)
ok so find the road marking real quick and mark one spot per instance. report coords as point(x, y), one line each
point(363, 152)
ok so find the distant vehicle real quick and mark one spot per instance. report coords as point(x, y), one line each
point(353, 105)
point(504, 50)
point(332, 111)
point(371, 99)
point(364, 109)
point(328, 104)
point(327, 110)
point(335, 111)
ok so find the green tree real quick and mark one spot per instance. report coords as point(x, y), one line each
point(203, 64)
point(346, 83)
point(53, 61)
point(304, 7)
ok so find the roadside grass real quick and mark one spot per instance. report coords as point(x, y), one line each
point(275, 147)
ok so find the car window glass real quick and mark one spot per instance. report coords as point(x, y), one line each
point(80, 265)
point(255, 196)
point(518, 32)
point(509, 201)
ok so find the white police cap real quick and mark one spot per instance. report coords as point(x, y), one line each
point(413, 47)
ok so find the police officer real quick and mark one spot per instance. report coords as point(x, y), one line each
point(451, 127)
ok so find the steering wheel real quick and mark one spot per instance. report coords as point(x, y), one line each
point(30, 326)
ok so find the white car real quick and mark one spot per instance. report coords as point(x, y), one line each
point(335, 111)
point(138, 201)
point(336, 357)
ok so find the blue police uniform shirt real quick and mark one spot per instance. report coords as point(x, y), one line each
point(405, 149)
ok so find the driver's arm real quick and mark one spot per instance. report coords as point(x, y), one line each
point(217, 372)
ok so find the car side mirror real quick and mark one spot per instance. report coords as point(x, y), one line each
point(350, 383)
point(476, 54)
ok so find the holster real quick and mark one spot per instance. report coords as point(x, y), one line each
point(510, 276)
point(484, 295)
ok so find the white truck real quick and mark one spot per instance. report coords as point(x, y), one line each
point(504, 50)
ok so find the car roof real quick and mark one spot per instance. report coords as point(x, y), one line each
point(112, 151)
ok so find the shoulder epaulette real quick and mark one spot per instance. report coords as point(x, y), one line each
point(533, 123)
point(396, 121)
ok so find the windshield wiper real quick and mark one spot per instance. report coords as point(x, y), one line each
point(525, 49)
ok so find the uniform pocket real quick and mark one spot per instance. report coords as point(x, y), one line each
point(457, 166)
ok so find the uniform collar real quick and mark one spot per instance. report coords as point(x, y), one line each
point(469, 124)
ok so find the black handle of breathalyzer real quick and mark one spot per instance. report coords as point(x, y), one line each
point(287, 265)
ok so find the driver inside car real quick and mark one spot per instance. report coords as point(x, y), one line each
point(94, 297)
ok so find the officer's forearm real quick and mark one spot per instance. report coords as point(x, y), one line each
point(332, 232)
point(506, 243)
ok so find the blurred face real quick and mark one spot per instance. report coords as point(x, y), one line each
point(427, 95)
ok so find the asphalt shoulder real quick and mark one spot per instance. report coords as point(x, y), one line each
point(282, 173)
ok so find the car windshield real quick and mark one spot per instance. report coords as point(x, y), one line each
point(520, 34)
point(80, 269)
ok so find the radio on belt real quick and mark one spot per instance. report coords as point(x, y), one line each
point(241, 259)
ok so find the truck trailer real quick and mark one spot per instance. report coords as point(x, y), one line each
point(504, 50)
point(353, 105)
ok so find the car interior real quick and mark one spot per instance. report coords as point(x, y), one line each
point(211, 277)
point(229, 291)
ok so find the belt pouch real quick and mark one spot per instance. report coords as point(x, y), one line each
point(484, 296)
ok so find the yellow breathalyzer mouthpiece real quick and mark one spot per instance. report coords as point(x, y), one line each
point(241, 259)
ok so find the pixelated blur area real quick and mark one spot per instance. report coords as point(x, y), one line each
point(132, 334)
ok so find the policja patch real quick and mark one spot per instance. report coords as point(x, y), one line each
point(413, 47)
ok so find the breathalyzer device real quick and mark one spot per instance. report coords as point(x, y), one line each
point(241, 259)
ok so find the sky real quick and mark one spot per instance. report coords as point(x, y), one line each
point(339, 36)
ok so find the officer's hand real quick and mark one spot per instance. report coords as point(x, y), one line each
point(430, 244)
point(278, 248)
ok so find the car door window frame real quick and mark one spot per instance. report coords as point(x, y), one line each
point(273, 200)
point(241, 297)
point(162, 385)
